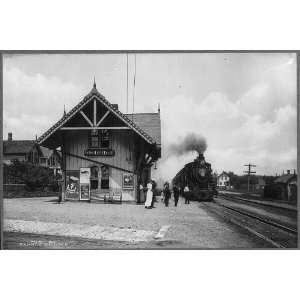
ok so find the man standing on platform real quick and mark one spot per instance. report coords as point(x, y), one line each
point(186, 192)
point(176, 194)
point(167, 194)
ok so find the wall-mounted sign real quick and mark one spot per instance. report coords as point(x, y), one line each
point(72, 185)
point(99, 152)
point(85, 176)
point(128, 182)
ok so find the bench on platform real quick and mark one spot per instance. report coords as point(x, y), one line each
point(113, 197)
point(107, 196)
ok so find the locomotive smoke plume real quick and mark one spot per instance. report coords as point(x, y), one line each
point(192, 142)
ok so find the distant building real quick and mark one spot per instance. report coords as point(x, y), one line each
point(223, 180)
point(288, 184)
point(50, 159)
point(29, 151)
point(260, 183)
point(22, 150)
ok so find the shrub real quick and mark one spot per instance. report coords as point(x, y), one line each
point(34, 177)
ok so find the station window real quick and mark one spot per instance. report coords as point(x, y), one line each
point(99, 139)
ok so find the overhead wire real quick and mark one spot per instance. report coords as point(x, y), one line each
point(127, 83)
point(134, 78)
point(133, 96)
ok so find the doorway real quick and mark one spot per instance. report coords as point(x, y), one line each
point(104, 182)
point(94, 178)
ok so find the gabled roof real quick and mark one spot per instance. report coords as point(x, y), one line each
point(92, 95)
point(46, 152)
point(149, 122)
point(285, 178)
point(223, 173)
point(18, 146)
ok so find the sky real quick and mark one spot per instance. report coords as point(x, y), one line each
point(243, 104)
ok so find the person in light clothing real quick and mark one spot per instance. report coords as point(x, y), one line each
point(186, 192)
point(148, 203)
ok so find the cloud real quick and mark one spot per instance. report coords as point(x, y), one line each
point(32, 103)
point(237, 132)
point(244, 106)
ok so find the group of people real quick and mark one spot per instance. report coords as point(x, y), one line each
point(166, 194)
point(147, 195)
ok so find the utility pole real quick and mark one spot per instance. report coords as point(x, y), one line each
point(249, 172)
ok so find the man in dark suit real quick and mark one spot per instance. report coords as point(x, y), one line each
point(176, 194)
point(167, 194)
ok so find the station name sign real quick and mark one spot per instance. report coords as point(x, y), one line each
point(99, 152)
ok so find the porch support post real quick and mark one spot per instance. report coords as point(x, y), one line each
point(63, 168)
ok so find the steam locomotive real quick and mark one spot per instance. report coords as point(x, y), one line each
point(197, 175)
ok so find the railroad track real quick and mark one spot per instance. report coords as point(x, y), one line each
point(254, 201)
point(274, 233)
point(266, 221)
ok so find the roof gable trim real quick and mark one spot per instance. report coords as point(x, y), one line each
point(94, 94)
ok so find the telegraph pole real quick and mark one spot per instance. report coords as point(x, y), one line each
point(249, 172)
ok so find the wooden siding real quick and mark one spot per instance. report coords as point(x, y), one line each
point(76, 142)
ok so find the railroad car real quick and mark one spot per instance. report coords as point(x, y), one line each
point(197, 175)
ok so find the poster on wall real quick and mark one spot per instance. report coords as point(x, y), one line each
point(85, 175)
point(72, 185)
point(84, 191)
point(128, 182)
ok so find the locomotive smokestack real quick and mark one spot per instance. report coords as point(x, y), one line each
point(200, 156)
point(192, 142)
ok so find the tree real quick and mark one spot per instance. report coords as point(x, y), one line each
point(33, 176)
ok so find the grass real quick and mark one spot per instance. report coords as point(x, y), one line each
point(28, 194)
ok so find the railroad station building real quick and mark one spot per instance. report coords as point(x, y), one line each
point(103, 151)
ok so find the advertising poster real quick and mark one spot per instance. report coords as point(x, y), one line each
point(84, 191)
point(72, 185)
point(85, 175)
point(128, 181)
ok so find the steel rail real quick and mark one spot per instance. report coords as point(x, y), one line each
point(268, 222)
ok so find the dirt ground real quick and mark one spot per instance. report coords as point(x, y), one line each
point(186, 226)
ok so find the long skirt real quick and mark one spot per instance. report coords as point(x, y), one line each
point(149, 199)
point(142, 196)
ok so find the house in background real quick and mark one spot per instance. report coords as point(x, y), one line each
point(50, 159)
point(260, 183)
point(288, 184)
point(22, 150)
point(223, 181)
point(29, 151)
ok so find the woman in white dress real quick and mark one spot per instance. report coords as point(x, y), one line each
point(148, 202)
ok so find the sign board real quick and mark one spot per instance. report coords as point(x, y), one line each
point(85, 175)
point(84, 191)
point(72, 185)
point(99, 152)
point(128, 182)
